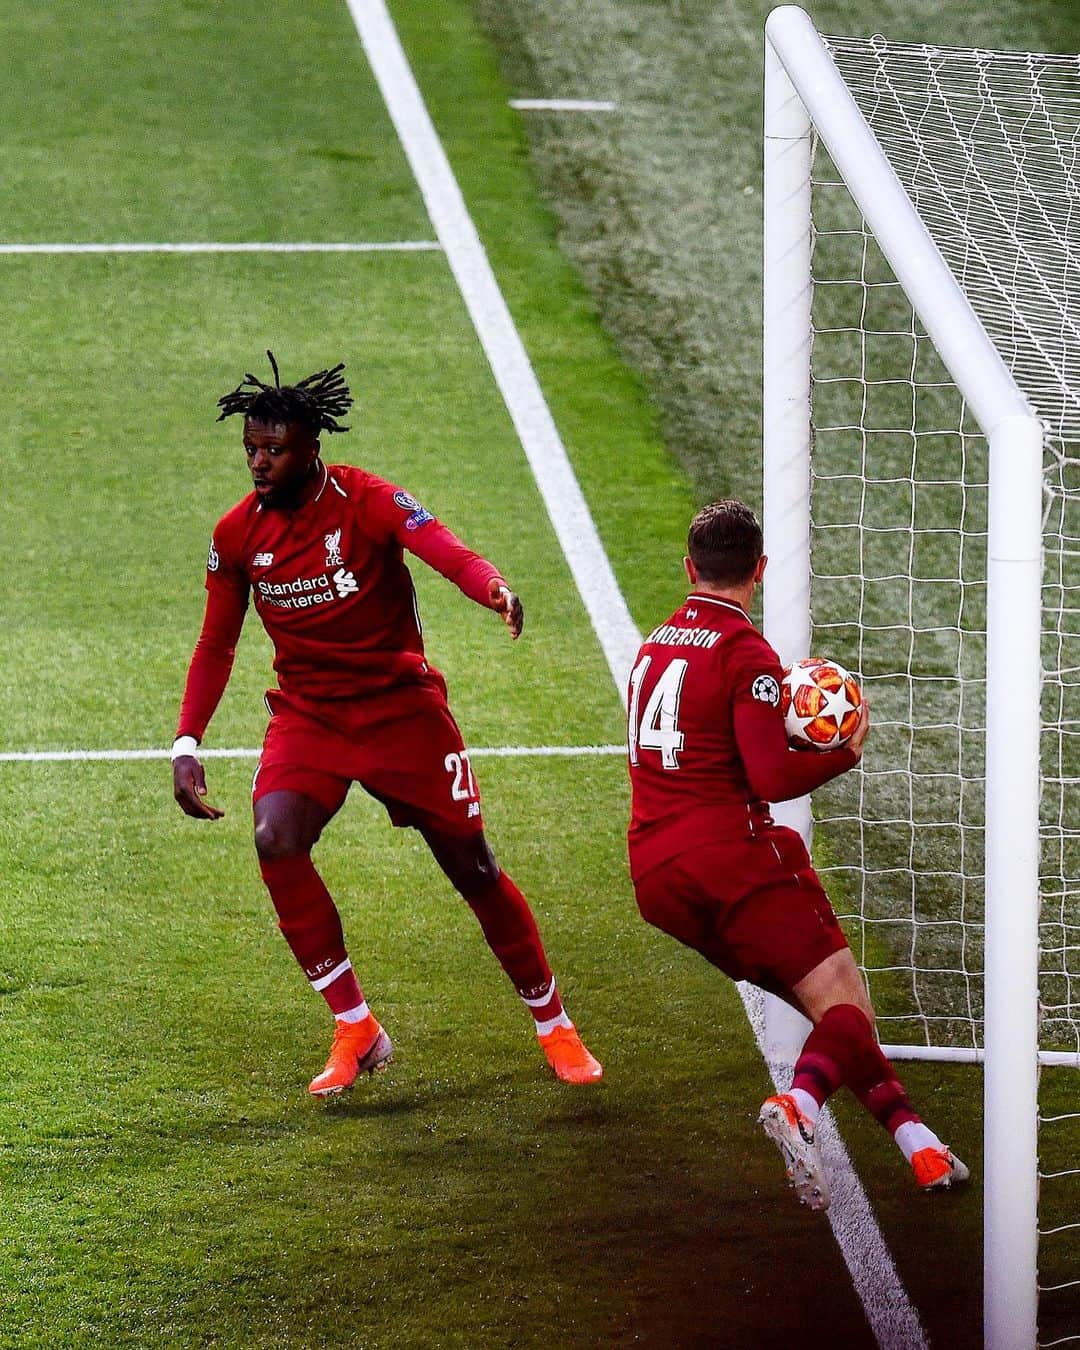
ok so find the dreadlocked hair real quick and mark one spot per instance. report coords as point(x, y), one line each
point(317, 401)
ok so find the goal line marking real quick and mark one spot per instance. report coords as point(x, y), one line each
point(480, 752)
point(253, 246)
point(586, 105)
point(892, 1319)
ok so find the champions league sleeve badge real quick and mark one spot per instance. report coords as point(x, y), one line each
point(419, 515)
point(766, 690)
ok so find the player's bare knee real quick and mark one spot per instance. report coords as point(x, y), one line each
point(853, 991)
point(475, 877)
point(275, 840)
point(469, 864)
point(268, 842)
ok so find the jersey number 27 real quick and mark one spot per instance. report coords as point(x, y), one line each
point(657, 728)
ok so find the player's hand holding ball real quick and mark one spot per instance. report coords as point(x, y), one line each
point(824, 707)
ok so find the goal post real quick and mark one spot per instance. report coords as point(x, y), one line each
point(787, 338)
point(806, 98)
point(1011, 1029)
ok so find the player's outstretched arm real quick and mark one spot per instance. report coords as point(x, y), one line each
point(505, 602)
point(189, 787)
point(472, 574)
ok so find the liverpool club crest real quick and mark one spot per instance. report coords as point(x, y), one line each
point(333, 549)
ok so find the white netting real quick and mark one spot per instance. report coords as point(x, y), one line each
point(987, 144)
point(899, 567)
point(988, 147)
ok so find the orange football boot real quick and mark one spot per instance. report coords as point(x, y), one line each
point(938, 1168)
point(359, 1047)
point(568, 1057)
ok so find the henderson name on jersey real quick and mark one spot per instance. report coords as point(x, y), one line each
point(708, 748)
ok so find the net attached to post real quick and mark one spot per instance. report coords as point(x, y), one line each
point(987, 145)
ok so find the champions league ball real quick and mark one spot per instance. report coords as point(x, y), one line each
point(820, 702)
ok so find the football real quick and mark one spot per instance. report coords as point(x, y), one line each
point(820, 701)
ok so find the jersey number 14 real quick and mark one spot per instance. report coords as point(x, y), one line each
point(657, 728)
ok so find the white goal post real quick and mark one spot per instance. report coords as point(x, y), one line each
point(808, 102)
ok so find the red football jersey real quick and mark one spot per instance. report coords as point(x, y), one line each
point(328, 582)
point(331, 587)
point(706, 736)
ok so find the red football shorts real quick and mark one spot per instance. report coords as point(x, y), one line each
point(754, 907)
point(403, 747)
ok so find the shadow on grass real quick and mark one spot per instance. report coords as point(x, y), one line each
point(504, 1216)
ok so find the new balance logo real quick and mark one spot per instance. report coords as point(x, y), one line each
point(345, 583)
point(474, 810)
point(262, 560)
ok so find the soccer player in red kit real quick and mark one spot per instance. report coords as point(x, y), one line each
point(319, 549)
point(708, 752)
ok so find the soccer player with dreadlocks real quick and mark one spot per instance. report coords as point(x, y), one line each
point(319, 548)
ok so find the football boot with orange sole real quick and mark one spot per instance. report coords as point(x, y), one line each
point(568, 1057)
point(359, 1047)
point(937, 1169)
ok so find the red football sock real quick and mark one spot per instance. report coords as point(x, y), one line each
point(309, 920)
point(512, 935)
point(842, 1049)
point(887, 1102)
point(873, 1080)
point(819, 1070)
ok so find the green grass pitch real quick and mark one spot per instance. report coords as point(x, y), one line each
point(165, 1180)
point(659, 206)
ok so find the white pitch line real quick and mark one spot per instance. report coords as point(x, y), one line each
point(199, 246)
point(481, 752)
point(548, 751)
point(586, 105)
point(874, 1276)
point(566, 505)
point(892, 1317)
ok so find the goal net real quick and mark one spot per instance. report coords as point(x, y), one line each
point(986, 146)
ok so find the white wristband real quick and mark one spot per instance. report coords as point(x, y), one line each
point(184, 745)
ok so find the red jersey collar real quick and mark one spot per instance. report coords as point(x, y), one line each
point(716, 600)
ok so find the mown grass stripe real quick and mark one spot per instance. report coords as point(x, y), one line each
point(505, 351)
point(893, 1320)
point(245, 246)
